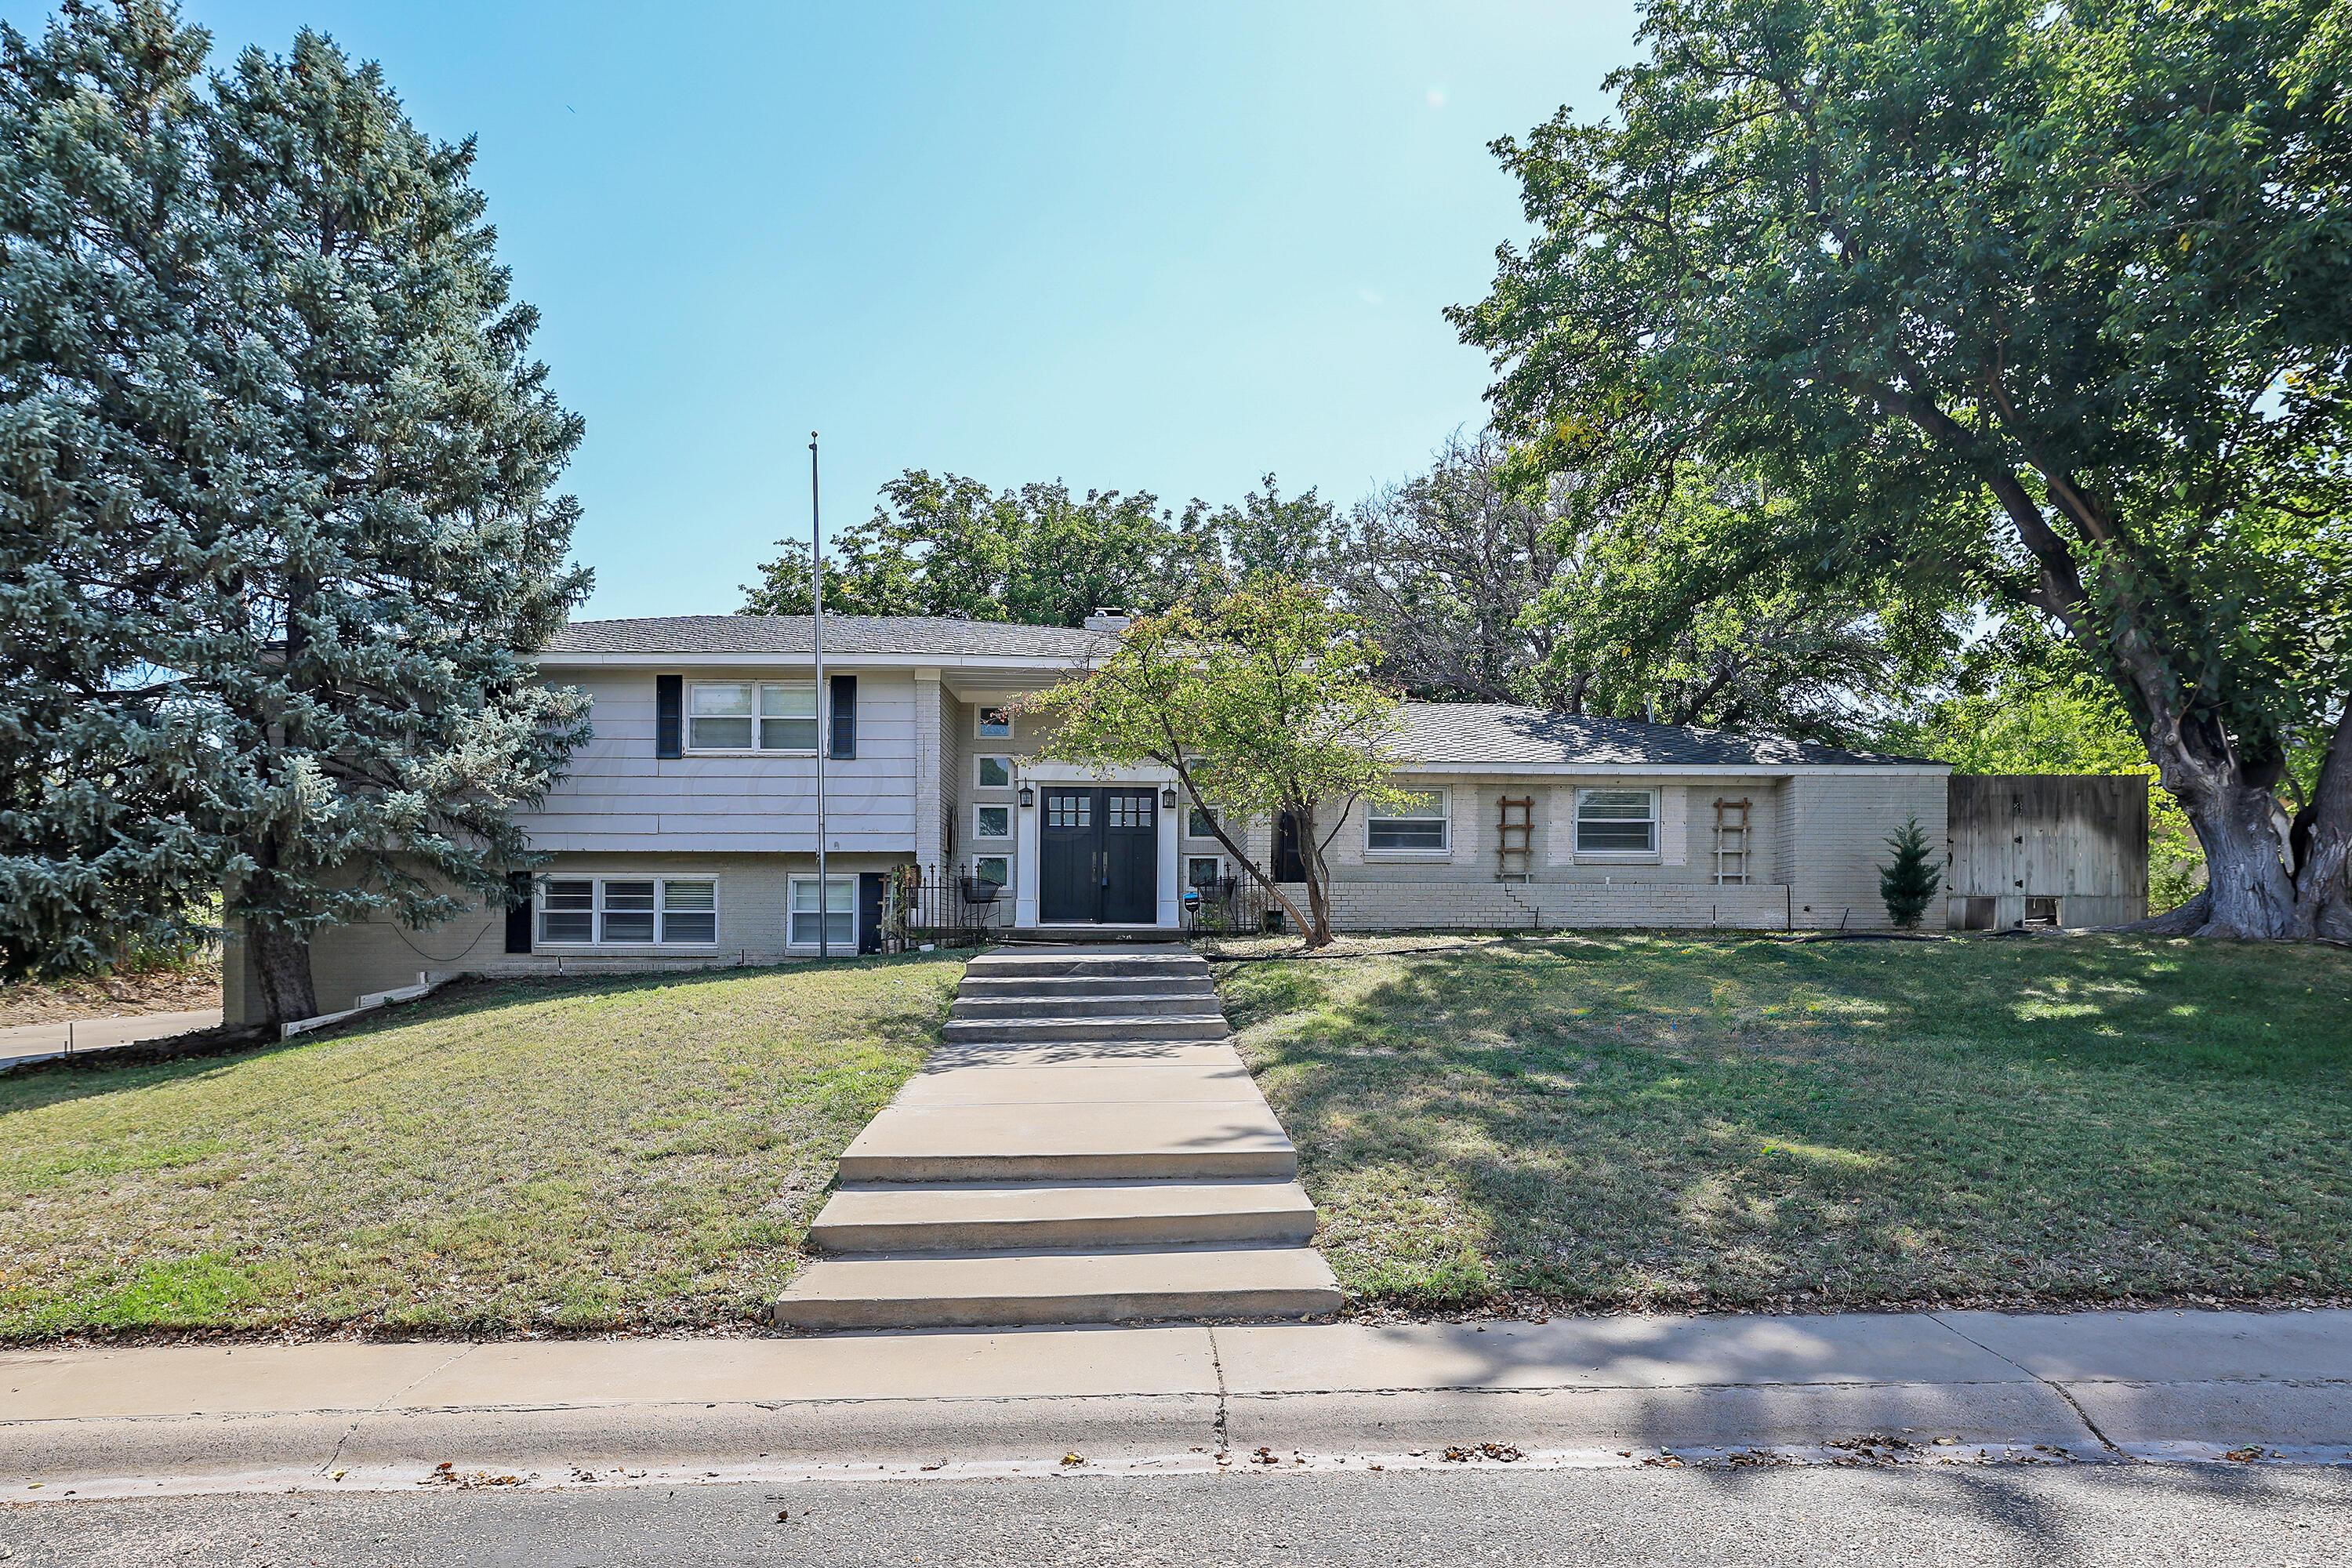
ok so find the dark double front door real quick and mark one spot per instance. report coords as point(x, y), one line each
point(1098, 855)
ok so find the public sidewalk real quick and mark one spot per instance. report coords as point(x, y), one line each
point(1946, 1387)
point(21, 1043)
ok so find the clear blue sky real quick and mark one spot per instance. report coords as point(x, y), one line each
point(1165, 246)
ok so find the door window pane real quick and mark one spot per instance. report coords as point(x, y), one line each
point(1069, 810)
point(689, 911)
point(567, 911)
point(719, 716)
point(788, 716)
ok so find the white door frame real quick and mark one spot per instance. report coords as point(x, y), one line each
point(1029, 774)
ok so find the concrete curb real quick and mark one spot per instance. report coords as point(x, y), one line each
point(1961, 1387)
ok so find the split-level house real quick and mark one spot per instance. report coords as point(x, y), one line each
point(686, 830)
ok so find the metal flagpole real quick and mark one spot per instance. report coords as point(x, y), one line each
point(824, 708)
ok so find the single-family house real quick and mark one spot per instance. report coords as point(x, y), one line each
point(686, 830)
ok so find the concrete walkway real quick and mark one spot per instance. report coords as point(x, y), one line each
point(1963, 1387)
point(39, 1042)
point(1085, 1146)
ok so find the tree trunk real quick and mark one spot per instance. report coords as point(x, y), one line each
point(2322, 838)
point(2249, 883)
point(1318, 892)
point(281, 966)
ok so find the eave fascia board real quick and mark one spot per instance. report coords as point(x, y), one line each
point(1009, 664)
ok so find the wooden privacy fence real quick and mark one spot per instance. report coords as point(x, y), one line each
point(2055, 849)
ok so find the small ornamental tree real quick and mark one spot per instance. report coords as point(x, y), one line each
point(1909, 884)
point(1263, 705)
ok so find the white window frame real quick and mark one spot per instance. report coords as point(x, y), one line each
point(1004, 837)
point(1576, 824)
point(978, 860)
point(791, 945)
point(597, 911)
point(1190, 860)
point(983, 759)
point(979, 729)
point(1189, 812)
point(1445, 794)
point(688, 748)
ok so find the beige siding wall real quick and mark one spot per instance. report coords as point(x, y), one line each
point(618, 796)
point(376, 955)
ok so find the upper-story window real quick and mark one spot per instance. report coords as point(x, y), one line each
point(750, 716)
point(995, 723)
point(993, 773)
point(1197, 824)
point(1616, 822)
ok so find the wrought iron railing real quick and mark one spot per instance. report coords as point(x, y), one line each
point(1230, 906)
point(944, 908)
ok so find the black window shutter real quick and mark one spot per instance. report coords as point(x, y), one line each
point(844, 717)
point(670, 714)
point(518, 912)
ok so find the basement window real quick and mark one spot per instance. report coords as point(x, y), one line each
point(2040, 910)
point(628, 911)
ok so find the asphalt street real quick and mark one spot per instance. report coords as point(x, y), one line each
point(2048, 1516)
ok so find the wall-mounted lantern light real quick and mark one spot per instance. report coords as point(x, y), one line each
point(1168, 798)
point(1028, 795)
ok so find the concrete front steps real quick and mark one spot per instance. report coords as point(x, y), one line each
point(1068, 1157)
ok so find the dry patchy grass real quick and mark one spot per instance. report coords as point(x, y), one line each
point(1605, 1122)
point(624, 1154)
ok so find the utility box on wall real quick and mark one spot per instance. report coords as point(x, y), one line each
point(2057, 849)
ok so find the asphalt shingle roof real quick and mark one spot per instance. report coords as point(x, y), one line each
point(1487, 733)
point(843, 633)
point(1472, 734)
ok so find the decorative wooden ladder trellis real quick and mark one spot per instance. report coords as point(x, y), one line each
point(1515, 840)
point(1731, 842)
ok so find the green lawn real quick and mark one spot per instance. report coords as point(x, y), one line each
point(594, 1154)
point(1645, 1120)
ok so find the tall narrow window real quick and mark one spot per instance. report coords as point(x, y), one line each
point(1616, 822)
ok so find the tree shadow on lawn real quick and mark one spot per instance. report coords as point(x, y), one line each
point(1682, 1122)
point(495, 1001)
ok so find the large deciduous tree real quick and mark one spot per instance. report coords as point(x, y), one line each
point(1264, 706)
point(950, 545)
point(277, 469)
point(2048, 304)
